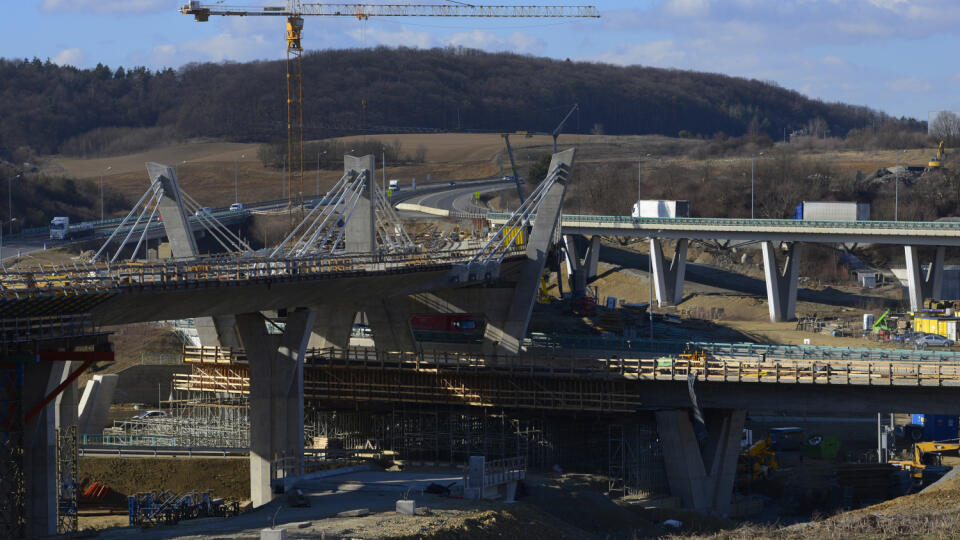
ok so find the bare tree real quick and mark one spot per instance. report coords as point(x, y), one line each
point(946, 127)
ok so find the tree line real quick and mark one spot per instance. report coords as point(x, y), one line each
point(90, 112)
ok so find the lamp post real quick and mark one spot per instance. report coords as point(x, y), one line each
point(10, 195)
point(2, 224)
point(318, 169)
point(753, 162)
point(101, 190)
point(896, 188)
point(236, 178)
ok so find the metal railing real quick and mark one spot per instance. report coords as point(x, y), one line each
point(572, 220)
point(82, 278)
point(703, 367)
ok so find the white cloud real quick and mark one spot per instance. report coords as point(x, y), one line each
point(834, 61)
point(108, 6)
point(909, 84)
point(70, 57)
point(401, 38)
point(488, 41)
point(224, 46)
point(687, 8)
point(661, 53)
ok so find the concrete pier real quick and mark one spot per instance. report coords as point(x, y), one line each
point(668, 281)
point(781, 286)
point(702, 473)
point(276, 397)
point(922, 285)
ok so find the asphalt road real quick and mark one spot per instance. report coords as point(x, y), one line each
point(459, 198)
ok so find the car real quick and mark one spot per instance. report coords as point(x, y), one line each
point(150, 414)
point(452, 183)
point(909, 337)
point(508, 177)
point(206, 210)
point(933, 341)
point(236, 206)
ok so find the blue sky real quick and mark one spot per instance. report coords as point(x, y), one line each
point(893, 55)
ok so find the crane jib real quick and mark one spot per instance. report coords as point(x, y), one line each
point(203, 11)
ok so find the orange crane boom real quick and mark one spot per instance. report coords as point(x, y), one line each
point(294, 10)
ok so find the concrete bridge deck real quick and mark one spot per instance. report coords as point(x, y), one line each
point(594, 381)
point(934, 233)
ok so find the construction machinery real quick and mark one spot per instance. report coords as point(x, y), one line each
point(927, 463)
point(937, 161)
point(881, 326)
point(758, 461)
point(295, 10)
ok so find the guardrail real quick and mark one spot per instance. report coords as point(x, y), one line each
point(87, 277)
point(702, 367)
point(734, 223)
point(561, 343)
point(211, 451)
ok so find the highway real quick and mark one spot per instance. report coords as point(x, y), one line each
point(459, 199)
point(906, 233)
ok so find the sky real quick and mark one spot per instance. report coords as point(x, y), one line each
point(891, 55)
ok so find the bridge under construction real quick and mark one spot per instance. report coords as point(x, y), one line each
point(275, 327)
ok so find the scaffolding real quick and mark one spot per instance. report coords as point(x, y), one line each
point(635, 461)
point(67, 480)
point(12, 524)
point(196, 419)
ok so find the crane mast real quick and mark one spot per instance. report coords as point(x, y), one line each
point(295, 10)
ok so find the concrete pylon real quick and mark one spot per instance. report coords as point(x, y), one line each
point(702, 475)
point(213, 331)
point(575, 270)
point(544, 231)
point(924, 285)
point(781, 286)
point(172, 214)
point(668, 281)
point(592, 258)
point(361, 233)
point(276, 395)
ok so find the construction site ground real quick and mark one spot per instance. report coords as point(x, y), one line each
point(552, 506)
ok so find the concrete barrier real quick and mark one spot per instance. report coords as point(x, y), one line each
point(423, 209)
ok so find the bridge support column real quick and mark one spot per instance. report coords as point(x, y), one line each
point(592, 258)
point(276, 397)
point(702, 473)
point(390, 324)
point(575, 270)
point(40, 446)
point(781, 286)
point(332, 327)
point(542, 235)
point(920, 285)
point(361, 233)
point(668, 282)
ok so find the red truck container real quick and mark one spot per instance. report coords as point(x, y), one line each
point(448, 327)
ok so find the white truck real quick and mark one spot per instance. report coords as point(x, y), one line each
point(394, 184)
point(661, 209)
point(833, 211)
point(61, 229)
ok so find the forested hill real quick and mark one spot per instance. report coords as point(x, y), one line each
point(43, 105)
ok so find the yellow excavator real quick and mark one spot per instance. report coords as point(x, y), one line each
point(937, 161)
point(927, 456)
point(758, 461)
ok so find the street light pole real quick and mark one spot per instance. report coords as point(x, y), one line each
point(101, 190)
point(896, 188)
point(236, 178)
point(753, 162)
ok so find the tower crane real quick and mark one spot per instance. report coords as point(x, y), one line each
point(295, 10)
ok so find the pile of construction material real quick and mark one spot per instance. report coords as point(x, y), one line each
point(167, 508)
